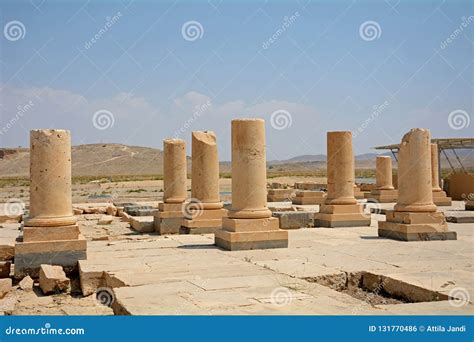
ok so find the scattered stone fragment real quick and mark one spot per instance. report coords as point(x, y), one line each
point(53, 279)
point(111, 210)
point(7, 252)
point(5, 286)
point(105, 219)
point(26, 284)
point(78, 211)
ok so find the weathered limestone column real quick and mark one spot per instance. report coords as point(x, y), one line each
point(384, 192)
point(249, 225)
point(340, 209)
point(50, 179)
point(50, 235)
point(439, 196)
point(169, 218)
point(249, 173)
point(174, 171)
point(415, 217)
point(340, 168)
point(204, 212)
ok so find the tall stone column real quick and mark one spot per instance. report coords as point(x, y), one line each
point(384, 192)
point(340, 209)
point(439, 196)
point(415, 216)
point(203, 214)
point(169, 218)
point(50, 235)
point(174, 171)
point(249, 225)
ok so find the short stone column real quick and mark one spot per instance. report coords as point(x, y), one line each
point(204, 212)
point(415, 216)
point(50, 234)
point(384, 192)
point(340, 209)
point(249, 225)
point(169, 218)
point(439, 196)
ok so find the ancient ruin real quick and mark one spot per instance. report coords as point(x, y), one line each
point(50, 233)
point(249, 224)
point(415, 217)
point(439, 196)
point(340, 209)
point(384, 191)
point(203, 214)
point(171, 212)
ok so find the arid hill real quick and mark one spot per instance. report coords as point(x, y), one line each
point(118, 159)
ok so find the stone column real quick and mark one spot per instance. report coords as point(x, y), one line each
point(169, 218)
point(439, 196)
point(50, 235)
point(340, 168)
point(203, 213)
point(435, 167)
point(205, 170)
point(415, 216)
point(414, 173)
point(50, 179)
point(249, 225)
point(383, 173)
point(340, 209)
point(249, 173)
point(174, 173)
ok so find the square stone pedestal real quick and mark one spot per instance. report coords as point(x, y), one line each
point(308, 197)
point(169, 219)
point(279, 195)
point(204, 222)
point(441, 199)
point(245, 234)
point(62, 246)
point(335, 216)
point(407, 226)
point(382, 196)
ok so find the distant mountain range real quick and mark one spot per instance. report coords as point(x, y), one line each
point(119, 159)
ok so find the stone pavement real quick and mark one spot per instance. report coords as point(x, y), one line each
point(187, 274)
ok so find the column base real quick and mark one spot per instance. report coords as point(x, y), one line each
point(383, 196)
point(205, 222)
point(169, 219)
point(308, 197)
point(338, 216)
point(410, 226)
point(246, 234)
point(441, 199)
point(30, 255)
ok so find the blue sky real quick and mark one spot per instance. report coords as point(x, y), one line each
point(321, 71)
